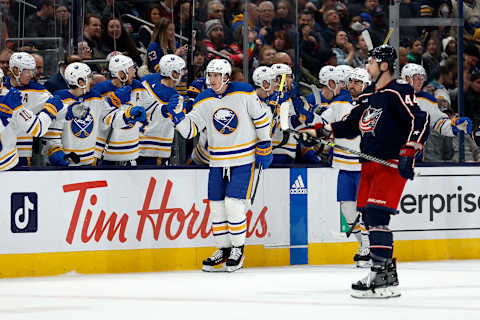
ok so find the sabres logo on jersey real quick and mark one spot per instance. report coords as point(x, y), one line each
point(225, 120)
point(82, 128)
point(369, 119)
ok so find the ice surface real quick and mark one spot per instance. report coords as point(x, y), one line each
point(430, 290)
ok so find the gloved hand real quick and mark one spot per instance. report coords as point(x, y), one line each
point(135, 114)
point(76, 110)
point(175, 109)
point(57, 157)
point(263, 154)
point(52, 107)
point(317, 130)
point(301, 107)
point(120, 96)
point(461, 124)
point(407, 161)
point(8, 104)
point(281, 96)
point(295, 90)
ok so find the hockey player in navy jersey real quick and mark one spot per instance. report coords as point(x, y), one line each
point(157, 138)
point(238, 133)
point(392, 127)
point(415, 75)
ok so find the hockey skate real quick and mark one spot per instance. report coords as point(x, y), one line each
point(235, 261)
point(216, 263)
point(380, 283)
point(362, 258)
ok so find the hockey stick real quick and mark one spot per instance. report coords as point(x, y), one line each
point(252, 198)
point(286, 133)
point(349, 232)
point(72, 156)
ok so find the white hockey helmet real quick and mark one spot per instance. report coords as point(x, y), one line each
point(119, 63)
point(22, 61)
point(221, 66)
point(77, 71)
point(362, 75)
point(281, 69)
point(411, 69)
point(345, 71)
point(328, 73)
point(171, 62)
point(262, 74)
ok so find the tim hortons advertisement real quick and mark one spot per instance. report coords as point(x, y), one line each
point(57, 211)
point(440, 203)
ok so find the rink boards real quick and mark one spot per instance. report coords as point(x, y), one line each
point(96, 221)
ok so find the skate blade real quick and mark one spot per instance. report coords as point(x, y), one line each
point(237, 267)
point(217, 268)
point(364, 264)
point(380, 293)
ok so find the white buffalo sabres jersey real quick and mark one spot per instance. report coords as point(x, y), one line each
point(79, 135)
point(439, 121)
point(338, 110)
point(290, 147)
point(23, 121)
point(34, 96)
point(200, 155)
point(234, 121)
point(157, 138)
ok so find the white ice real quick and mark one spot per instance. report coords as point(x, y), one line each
point(430, 290)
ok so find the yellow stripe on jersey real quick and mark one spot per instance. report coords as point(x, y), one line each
point(237, 228)
point(259, 123)
point(345, 161)
point(9, 163)
point(7, 155)
point(155, 138)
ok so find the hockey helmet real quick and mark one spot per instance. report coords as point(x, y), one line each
point(22, 61)
point(280, 69)
point(362, 75)
point(383, 53)
point(345, 70)
point(324, 74)
point(77, 71)
point(411, 69)
point(221, 66)
point(171, 62)
point(262, 74)
point(120, 63)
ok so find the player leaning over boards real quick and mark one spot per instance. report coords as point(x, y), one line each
point(238, 134)
point(392, 127)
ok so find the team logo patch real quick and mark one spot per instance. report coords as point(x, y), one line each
point(82, 128)
point(225, 120)
point(369, 119)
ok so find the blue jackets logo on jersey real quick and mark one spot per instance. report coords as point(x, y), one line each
point(225, 120)
point(369, 119)
point(82, 128)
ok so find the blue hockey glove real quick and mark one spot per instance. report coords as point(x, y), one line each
point(407, 161)
point(57, 157)
point(76, 110)
point(281, 96)
point(461, 124)
point(300, 105)
point(120, 96)
point(8, 104)
point(295, 90)
point(263, 154)
point(135, 114)
point(175, 109)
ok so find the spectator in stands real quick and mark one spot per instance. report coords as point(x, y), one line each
point(163, 42)
point(471, 56)
point(379, 27)
point(145, 32)
point(39, 63)
point(252, 18)
point(216, 10)
point(62, 16)
point(472, 99)
point(266, 10)
point(167, 7)
point(445, 76)
point(361, 53)
point(199, 60)
point(237, 75)
point(332, 25)
point(431, 58)
point(215, 39)
point(284, 18)
point(266, 56)
point(9, 19)
point(102, 8)
point(115, 38)
point(403, 55)
point(58, 82)
point(283, 57)
point(449, 48)
point(282, 41)
point(415, 52)
point(92, 33)
point(5, 55)
point(235, 50)
point(41, 24)
point(343, 48)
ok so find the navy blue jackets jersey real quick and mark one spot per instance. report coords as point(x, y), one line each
point(387, 119)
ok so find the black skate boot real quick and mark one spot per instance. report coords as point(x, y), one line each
point(235, 261)
point(392, 277)
point(376, 285)
point(216, 263)
point(362, 258)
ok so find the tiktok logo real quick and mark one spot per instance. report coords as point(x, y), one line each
point(24, 211)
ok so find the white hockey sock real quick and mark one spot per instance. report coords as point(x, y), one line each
point(219, 224)
point(237, 220)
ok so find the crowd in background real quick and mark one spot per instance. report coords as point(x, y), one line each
point(329, 33)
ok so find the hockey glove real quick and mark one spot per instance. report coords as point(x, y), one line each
point(76, 110)
point(120, 96)
point(57, 157)
point(294, 91)
point(175, 109)
point(263, 154)
point(301, 107)
point(317, 130)
point(8, 104)
point(461, 124)
point(406, 161)
point(281, 96)
point(135, 114)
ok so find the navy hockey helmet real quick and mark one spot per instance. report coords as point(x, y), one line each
point(383, 53)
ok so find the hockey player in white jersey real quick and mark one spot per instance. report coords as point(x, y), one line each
point(415, 75)
point(156, 141)
point(77, 130)
point(34, 96)
point(15, 119)
point(238, 133)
